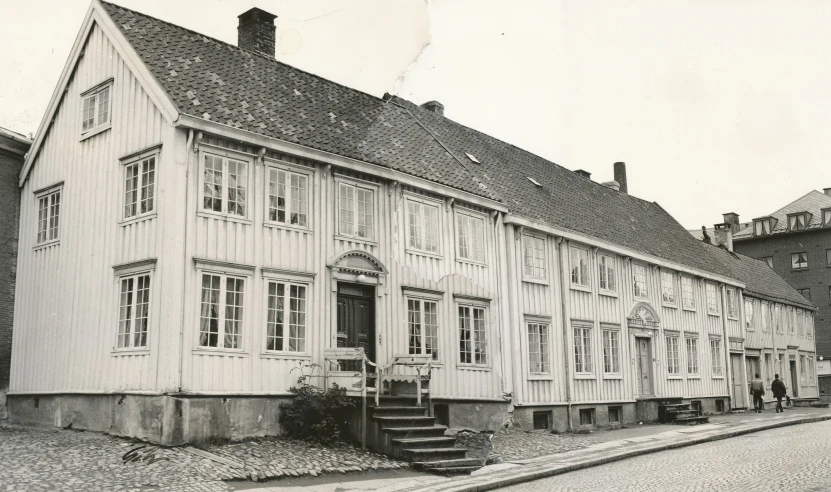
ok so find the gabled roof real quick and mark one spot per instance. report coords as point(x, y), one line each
point(218, 82)
point(760, 280)
point(813, 203)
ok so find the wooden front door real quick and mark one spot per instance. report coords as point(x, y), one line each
point(739, 394)
point(356, 317)
point(644, 350)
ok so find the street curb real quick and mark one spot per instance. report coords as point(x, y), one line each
point(536, 475)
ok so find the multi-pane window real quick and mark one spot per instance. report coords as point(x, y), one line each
point(791, 314)
point(748, 313)
point(639, 279)
point(471, 237)
point(579, 259)
point(732, 303)
point(611, 351)
point(826, 217)
point(423, 327)
point(533, 256)
point(582, 349)
point(797, 222)
point(538, 357)
point(286, 317)
point(96, 108)
point(423, 226)
point(761, 227)
point(811, 371)
point(802, 367)
point(715, 355)
point(799, 260)
point(712, 298)
point(356, 211)
point(221, 311)
point(673, 356)
point(49, 212)
point(692, 355)
point(687, 293)
point(803, 320)
point(225, 185)
point(765, 316)
point(668, 287)
point(288, 197)
point(606, 266)
point(139, 186)
point(473, 343)
point(777, 318)
point(133, 311)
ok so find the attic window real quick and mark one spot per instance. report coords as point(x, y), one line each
point(473, 158)
point(96, 113)
point(826, 217)
point(534, 181)
point(797, 222)
point(761, 227)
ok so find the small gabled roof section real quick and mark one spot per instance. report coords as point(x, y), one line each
point(812, 203)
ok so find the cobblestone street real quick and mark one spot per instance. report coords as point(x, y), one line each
point(796, 458)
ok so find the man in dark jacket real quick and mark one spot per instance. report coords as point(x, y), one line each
point(778, 389)
point(757, 389)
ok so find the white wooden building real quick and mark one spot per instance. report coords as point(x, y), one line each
point(199, 220)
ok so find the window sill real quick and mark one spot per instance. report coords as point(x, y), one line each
point(47, 244)
point(734, 318)
point(428, 254)
point(799, 270)
point(582, 288)
point(472, 367)
point(613, 376)
point(211, 351)
point(608, 293)
point(717, 315)
point(534, 280)
point(641, 298)
point(223, 217)
point(471, 262)
point(368, 242)
point(674, 377)
point(285, 355)
point(689, 309)
point(694, 376)
point(540, 377)
point(288, 227)
point(137, 218)
point(669, 305)
point(127, 352)
point(585, 376)
point(95, 131)
point(717, 376)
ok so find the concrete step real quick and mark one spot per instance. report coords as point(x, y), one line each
point(393, 411)
point(692, 420)
point(424, 442)
point(676, 406)
point(677, 414)
point(453, 470)
point(453, 463)
point(405, 421)
point(414, 432)
point(433, 454)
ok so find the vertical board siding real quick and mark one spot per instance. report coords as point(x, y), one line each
point(65, 324)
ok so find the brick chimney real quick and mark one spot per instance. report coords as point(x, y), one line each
point(732, 218)
point(583, 173)
point(620, 176)
point(257, 32)
point(827, 191)
point(724, 236)
point(434, 106)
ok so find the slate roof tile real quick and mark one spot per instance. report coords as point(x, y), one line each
point(813, 202)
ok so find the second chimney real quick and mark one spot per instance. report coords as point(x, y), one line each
point(620, 176)
point(724, 236)
point(583, 173)
point(827, 191)
point(732, 218)
point(434, 106)
point(257, 32)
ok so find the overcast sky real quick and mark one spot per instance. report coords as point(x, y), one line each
point(715, 106)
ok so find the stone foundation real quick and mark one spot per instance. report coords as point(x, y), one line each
point(599, 414)
point(473, 415)
point(646, 410)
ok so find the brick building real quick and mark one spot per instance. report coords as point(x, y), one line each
point(13, 147)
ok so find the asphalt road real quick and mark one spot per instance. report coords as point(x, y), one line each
point(794, 458)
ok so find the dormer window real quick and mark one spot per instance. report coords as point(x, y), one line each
point(762, 227)
point(826, 217)
point(798, 222)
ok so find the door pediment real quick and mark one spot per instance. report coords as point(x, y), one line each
point(643, 316)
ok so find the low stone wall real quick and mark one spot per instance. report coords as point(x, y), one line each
point(523, 417)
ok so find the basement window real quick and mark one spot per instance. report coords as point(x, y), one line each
point(542, 420)
point(719, 406)
point(587, 416)
point(615, 415)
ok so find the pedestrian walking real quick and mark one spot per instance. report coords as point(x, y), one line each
point(757, 389)
point(778, 389)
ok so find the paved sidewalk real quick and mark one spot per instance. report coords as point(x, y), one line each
point(616, 445)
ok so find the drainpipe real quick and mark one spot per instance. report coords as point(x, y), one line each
point(185, 262)
point(565, 329)
point(496, 219)
point(726, 344)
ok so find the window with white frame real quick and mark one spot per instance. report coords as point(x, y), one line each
point(49, 213)
point(473, 343)
point(639, 279)
point(715, 355)
point(423, 326)
point(732, 303)
point(797, 222)
point(221, 311)
point(538, 353)
point(607, 270)
point(748, 314)
point(533, 257)
point(470, 230)
point(288, 197)
point(422, 225)
point(673, 355)
point(791, 314)
point(799, 261)
point(803, 321)
point(777, 318)
point(761, 227)
point(668, 288)
point(356, 211)
point(286, 313)
point(579, 259)
point(225, 185)
point(582, 348)
point(133, 310)
point(692, 355)
point(826, 217)
point(140, 185)
point(712, 298)
point(687, 293)
point(97, 103)
point(812, 377)
point(809, 326)
point(765, 316)
point(611, 350)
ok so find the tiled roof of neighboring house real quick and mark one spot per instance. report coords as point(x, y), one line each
point(760, 279)
point(213, 80)
point(813, 202)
